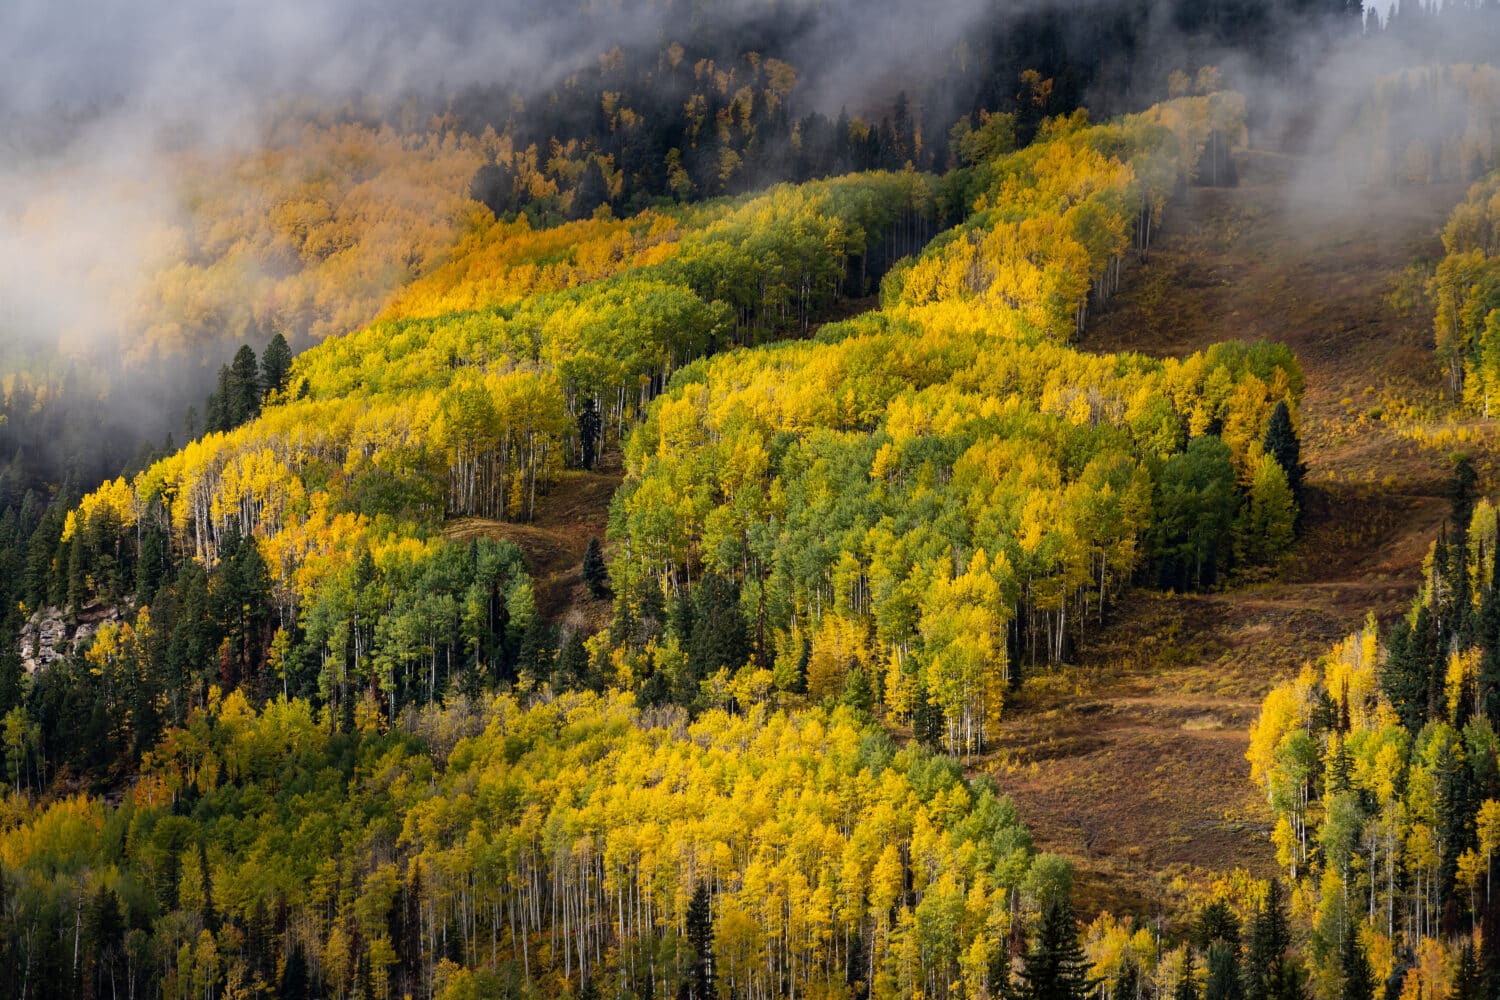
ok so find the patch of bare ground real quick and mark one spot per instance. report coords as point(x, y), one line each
point(1131, 761)
point(574, 510)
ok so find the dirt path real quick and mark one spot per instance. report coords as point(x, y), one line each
point(1132, 762)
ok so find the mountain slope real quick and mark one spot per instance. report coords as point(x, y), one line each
point(1141, 745)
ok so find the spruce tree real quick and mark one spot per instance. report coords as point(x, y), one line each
point(592, 191)
point(1467, 982)
point(720, 638)
point(572, 663)
point(294, 980)
point(1271, 975)
point(1488, 636)
point(926, 720)
point(588, 432)
point(1187, 983)
point(1359, 978)
point(216, 410)
point(1282, 444)
point(595, 574)
point(243, 400)
point(1056, 968)
point(1403, 675)
point(700, 932)
point(1223, 973)
point(275, 366)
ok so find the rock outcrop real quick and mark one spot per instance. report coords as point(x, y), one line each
point(51, 634)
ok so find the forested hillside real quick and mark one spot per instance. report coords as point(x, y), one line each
point(838, 525)
point(694, 510)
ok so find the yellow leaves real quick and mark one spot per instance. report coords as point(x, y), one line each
point(115, 500)
point(1286, 709)
point(1461, 680)
point(1288, 847)
point(64, 828)
point(1472, 869)
point(837, 645)
point(1349, 675)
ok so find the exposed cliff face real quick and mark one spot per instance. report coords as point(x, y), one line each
point(50, 634)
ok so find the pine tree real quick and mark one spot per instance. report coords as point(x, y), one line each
point(1282, 444)
point(1223, 973)
point(1488, 636)
point(588, 432)
point(572, 663)
point(294, 984)
point(210, 912)
point(720, 638)
point(927, 720)
point(592, 191)
point(216, 409)
point(1359, 979)
point(595, 574)
point(680, 616)
point(1467, 982)
point(1187, 983)
point(275, 366)
point(1271, 974)
point(1056, 968)
point(700, 932)
point(243, 399)
point(494, 187)
point(1403, 675)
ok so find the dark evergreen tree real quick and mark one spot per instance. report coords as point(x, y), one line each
point(294, 979)
point(1468, 984)
point(592, 191)
point(216, 411)
point(1270, 972)
point(1282, 444)
point(1187, 983)
point(1403, 673)
point(699, 984)
point(1455, 808)
point(927, 720)
point(275, 366)
point(1217, 922)
point(594, 572)
point(1055, 968)
point(1359, 978)
point(1223, 973)
point(494, 187)
point(680, 617)
point(209, 910)
point(1487, 634)
point(572, 664)
point(1459, 608)
point(243, 400)
point(588, 432)
point(719, 638)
